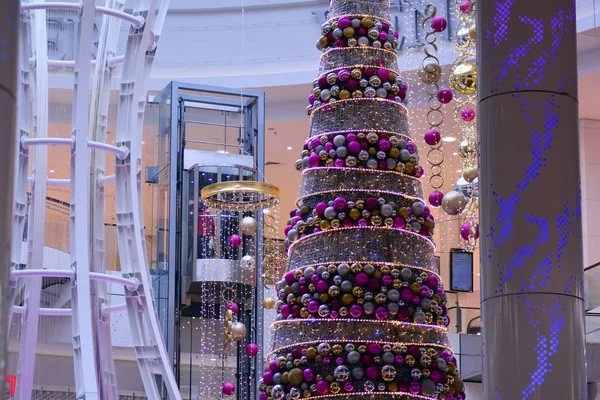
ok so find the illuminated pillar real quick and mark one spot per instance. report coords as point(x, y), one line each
point(9, 50)
point(531, 249)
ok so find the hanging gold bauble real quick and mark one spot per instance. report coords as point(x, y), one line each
point(473, 32)
point(238, 331)
point(463, 78)
point(470, 173)
point(268, 303)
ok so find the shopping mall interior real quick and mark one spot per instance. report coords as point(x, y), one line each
point(300, 199)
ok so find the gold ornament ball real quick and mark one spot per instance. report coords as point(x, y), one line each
point(269, 303)
point(453, 202)
point(238, 331)
point(463, 78)
point(295, 377)
point(470, 173)
point(249, 226)
point(473, 31)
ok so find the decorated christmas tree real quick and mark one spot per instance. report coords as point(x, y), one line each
point(361, 310)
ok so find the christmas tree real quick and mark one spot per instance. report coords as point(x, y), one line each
point(361, 310)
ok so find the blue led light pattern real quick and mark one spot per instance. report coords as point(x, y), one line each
point(523, 268)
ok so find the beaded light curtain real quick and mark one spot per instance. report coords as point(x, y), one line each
point(361, 310)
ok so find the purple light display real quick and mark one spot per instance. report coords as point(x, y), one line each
point(532, 277)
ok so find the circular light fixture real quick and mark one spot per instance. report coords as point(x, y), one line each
point(240, 195)
point(449, 139)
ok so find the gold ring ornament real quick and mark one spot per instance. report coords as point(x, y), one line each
point(240, 195)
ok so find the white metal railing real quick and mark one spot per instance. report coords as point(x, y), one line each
point(93, 78)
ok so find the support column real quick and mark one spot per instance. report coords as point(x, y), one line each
point(531, 248)
point(9, 61)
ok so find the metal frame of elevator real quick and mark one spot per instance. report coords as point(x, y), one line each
point(173, 101)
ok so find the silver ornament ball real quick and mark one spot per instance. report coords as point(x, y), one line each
point(454, 202)
point(249, 226)
point(247, 262)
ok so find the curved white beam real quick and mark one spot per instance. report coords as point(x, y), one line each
point(136, 21)
point(120, 151)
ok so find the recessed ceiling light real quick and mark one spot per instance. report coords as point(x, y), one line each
point(449, 139)
point(459, 170)
point(289, 147)
point(455, 154)
point(51, 171)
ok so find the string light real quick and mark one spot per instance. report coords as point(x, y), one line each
point(374, 263)
point(325, 290)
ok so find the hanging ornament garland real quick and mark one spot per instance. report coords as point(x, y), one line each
point(430, 76)
point(463, 80)
point(249, 198)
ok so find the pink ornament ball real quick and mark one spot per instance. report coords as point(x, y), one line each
point(354, 147)
point(432, 137)
point(351, 85)
point(313, 160)
point(322, 387)
point(444, 95)
point(399, 223)
point(435, 198)
point(383, 74)
point(465, 230)
point(344, 75)
point(415, 387)
point(467, 114)
point(374, 348)
point(320, 208)
point(235, 241)
point(371, 203)
point(465, 6)
point(233, 307)
point(356, 311)
point(323, 82)
point(228, 388)
point(361, 279)
point(372, 372)
point(344, 22)
point(439, 24)
point(402, 95)
point(251, 349)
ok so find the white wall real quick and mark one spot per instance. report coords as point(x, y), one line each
point(589, 136)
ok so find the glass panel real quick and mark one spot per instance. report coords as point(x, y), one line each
point(213, 130)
